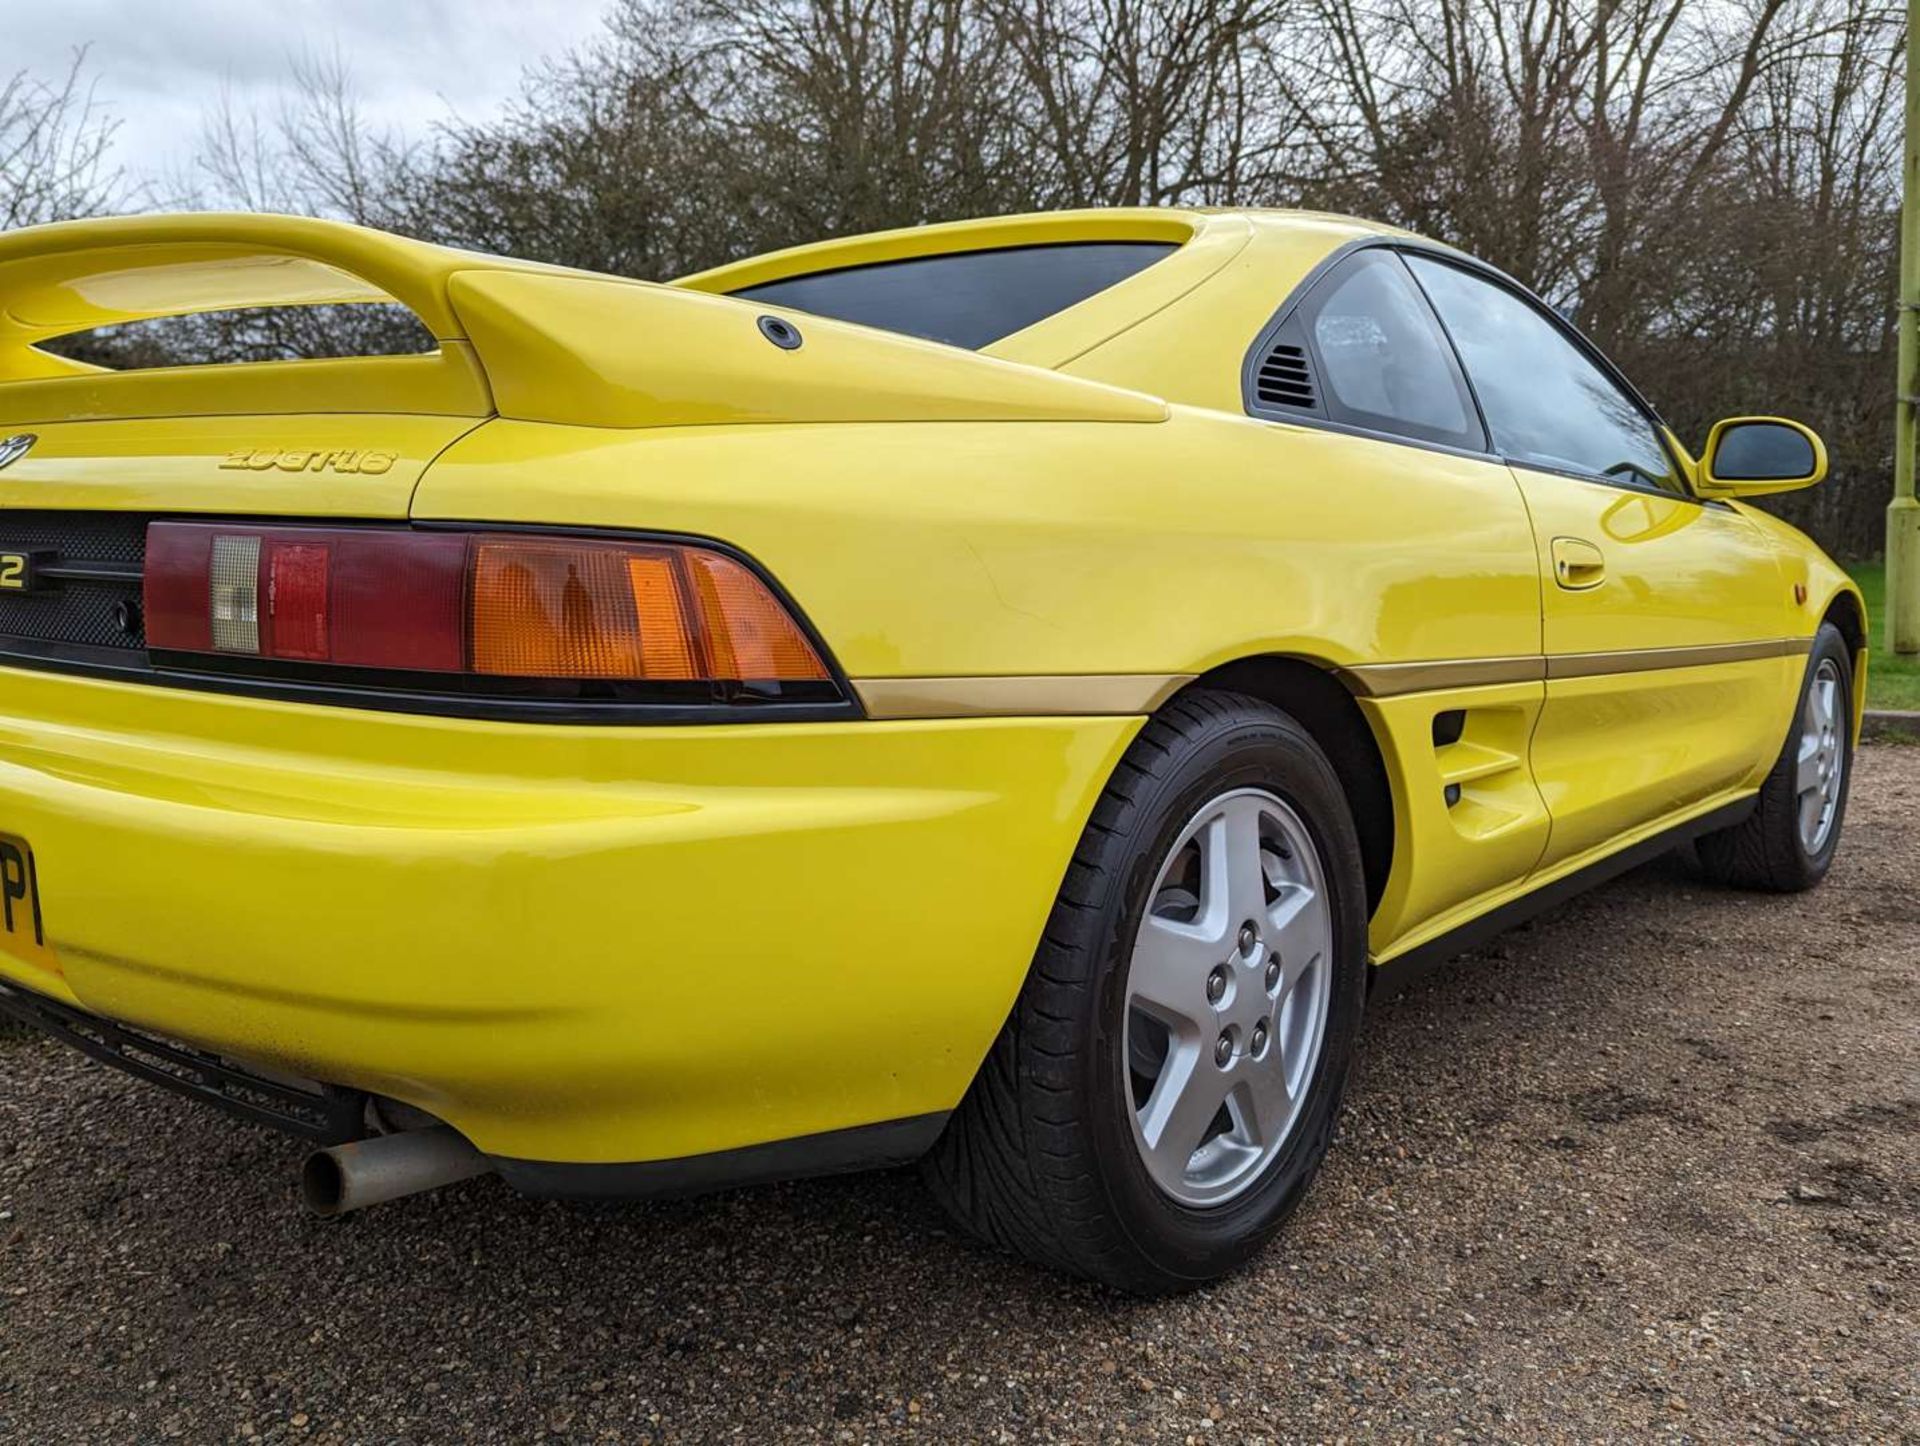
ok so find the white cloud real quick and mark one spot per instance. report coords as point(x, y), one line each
point(160, 65)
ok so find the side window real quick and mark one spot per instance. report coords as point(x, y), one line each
point(1546, 403)
point(1384, 364)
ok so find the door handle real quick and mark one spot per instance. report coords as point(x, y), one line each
point(1578, 565)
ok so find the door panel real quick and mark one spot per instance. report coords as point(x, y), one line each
point(1632, 731)
point(1662, 616)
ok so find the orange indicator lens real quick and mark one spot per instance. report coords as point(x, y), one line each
point(560, 608)
point(749, 634)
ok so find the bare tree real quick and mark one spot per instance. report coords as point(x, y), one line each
point(55, 144)
point(848, 115)
point(314, 153)
point(1151, 104)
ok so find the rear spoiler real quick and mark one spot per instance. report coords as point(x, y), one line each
point(514, 338)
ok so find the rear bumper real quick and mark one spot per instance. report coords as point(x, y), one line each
point(330, 1115)
point(575, 945)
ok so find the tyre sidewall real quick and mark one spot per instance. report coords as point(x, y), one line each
point(1827, 643)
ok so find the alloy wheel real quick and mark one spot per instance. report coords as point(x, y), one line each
point(1227, 996)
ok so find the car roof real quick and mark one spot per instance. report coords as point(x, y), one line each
point(1175, 224)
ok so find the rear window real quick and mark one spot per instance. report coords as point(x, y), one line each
point(965, 298)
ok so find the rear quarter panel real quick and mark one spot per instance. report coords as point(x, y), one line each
point(1040, 548)
point(958, 551)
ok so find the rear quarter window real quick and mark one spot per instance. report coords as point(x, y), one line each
point(966, 298)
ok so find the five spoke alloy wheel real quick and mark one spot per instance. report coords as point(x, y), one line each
point(1227, 996)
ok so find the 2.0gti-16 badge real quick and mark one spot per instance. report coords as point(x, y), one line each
point(366, 462)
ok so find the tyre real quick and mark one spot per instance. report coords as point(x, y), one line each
point(1787, 843)
point(1167, 1083)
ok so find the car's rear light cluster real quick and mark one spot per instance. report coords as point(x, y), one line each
point(482, 604)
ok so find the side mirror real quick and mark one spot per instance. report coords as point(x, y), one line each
point(1751, 456)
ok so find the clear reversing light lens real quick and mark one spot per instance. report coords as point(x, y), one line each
point(233, 588)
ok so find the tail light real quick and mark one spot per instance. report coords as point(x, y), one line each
point(666, 621)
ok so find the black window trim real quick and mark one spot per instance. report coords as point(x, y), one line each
point(1307, 311)
point(1166, 249)
point(1446, 255)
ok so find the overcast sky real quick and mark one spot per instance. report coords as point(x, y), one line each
point(159, 64)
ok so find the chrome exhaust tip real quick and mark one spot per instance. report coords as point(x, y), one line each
point(387, 1167)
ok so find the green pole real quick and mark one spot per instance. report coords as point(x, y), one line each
point(1903, 514)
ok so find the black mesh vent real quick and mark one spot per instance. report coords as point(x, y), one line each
point(1284, 379)
point(101, 610)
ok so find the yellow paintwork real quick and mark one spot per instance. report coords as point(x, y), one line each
point(630, 942)
point(1673, 574)
point(543, 342)
point(580, 943)
point(179, 464)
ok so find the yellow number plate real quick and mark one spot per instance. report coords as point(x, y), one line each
point(23, 934)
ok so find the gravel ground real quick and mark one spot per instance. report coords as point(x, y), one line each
point(1650, 1167)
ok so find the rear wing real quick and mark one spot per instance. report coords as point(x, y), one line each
point(78, 275)
point(513, 338)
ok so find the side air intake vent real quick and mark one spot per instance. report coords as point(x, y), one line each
point(1284, 379)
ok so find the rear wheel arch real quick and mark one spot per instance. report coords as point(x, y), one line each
point(1045, 1155)
point(1322, 705)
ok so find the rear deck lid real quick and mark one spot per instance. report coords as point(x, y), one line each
point(309, 465)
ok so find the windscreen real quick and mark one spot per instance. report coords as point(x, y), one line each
point(965, 298)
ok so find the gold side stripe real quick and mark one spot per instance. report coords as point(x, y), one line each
point(1642, 660)
point(1065, 695)
point(1090, 694)
point(1389, 680)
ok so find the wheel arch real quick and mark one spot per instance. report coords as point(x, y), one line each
point(1314, 697)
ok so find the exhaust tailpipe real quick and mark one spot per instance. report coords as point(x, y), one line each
point(387, 1167)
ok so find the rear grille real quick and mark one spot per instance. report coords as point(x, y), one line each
point(87, 578)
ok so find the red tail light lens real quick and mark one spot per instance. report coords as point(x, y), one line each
point(485, 604)
point(297, 575)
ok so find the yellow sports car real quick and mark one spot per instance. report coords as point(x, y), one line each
point(998, 694)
